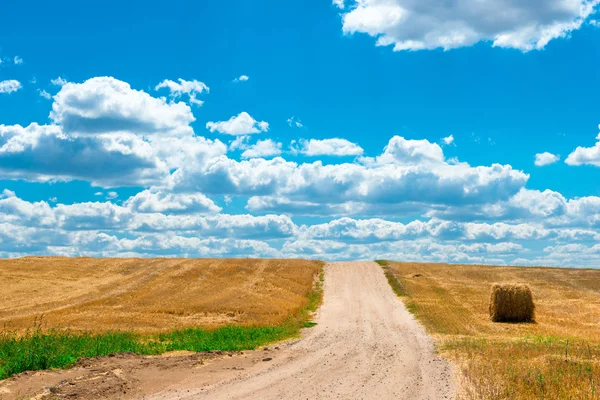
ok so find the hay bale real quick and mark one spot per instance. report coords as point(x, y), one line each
point(511, 302)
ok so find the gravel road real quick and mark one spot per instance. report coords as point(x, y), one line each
point(366, 346)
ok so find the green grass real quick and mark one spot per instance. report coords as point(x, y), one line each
point(38, 350)
point(53, 349)
point(397, 285)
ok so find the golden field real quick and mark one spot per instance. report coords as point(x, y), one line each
point(557, 357)
point(151, 295)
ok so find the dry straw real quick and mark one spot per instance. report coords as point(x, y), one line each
point(511, 302)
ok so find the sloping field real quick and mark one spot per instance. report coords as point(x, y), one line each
point(151, 295)
point(557, 357)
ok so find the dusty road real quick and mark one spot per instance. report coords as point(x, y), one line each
point(365, 346)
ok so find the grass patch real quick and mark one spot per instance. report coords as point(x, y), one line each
point(398, 285)
point(40, 349)
point(558, 357)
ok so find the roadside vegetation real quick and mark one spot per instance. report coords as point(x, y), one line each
point(42, 347)
point(556, 357)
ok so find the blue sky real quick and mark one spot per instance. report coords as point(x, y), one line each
point(360, 129)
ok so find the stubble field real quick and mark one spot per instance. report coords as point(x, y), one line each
point(557, 357)
point(151, 295)
point(55, 311)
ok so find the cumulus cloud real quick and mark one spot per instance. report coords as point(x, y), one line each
point(58, 81)
point(339, 3)
point(585, 155)
point(448, 140)
point(420, 250)
point(242, 78)
point(549, 208)
point(403, 151)
point(159, 224)
point(327, 147)
point(410, 25)
point(263, 148)
point(408, 173)
point(191, 88)
point(153, 201)
point(294, 122)
point(10, 86)
point(44, 94)
point(542, 159)
point(108, 105)
point(239, 143)
point(44, 153)
point(242, 124)
point(148, 211)
point(109, 134)
point(18, 60)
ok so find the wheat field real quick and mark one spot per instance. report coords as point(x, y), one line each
point(557, 357)
point(150, 295)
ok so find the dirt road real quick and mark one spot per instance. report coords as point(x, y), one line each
point(366, 346)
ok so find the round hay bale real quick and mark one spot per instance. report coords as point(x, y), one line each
point(510, 302)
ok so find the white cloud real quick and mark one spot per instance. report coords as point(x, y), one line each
point(545, 158)
point(44, 153)
point(328, 147)
point(106, 133)
point(191, 88)
point(10, 86)
point(242, 78)
point(242, 124)
point(408, 173)
point(294, 122)
point(94, 228)
point(106, 104)
point(403, 151)
point(17, 60)
point(585, 155)
point(448, 140)
point(339, 3)
point(422, 250)
point(410, 25)
point(263, 148)
point(109, 134)
point(239, 143)
point(152, 201)
point(44, 94)
point(58, 81)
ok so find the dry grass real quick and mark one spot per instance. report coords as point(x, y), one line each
point(557, 357)
point(511, 302)
point(151, 295)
